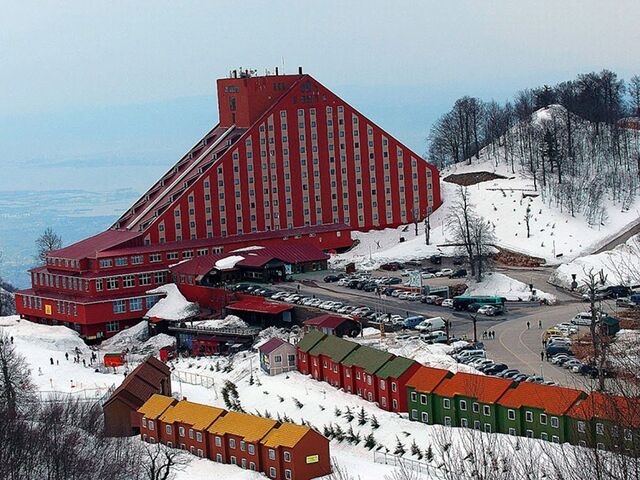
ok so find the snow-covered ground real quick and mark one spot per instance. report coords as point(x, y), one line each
point(500, 201)
point(619, 266)
point(501, 285)
point(173, 306)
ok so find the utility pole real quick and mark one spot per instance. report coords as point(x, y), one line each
point(475, 331)
point(427, 229)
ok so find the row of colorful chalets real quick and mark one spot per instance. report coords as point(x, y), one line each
point(486, 403)
point(282, 451)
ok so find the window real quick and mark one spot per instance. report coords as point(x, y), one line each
point(529, 433)
point(144, 422)
point(543, 419)
point(555, 423)
point(252, 466)
point(113, 326)
point(277, 359)
point(137, 259)
point(243, 446)
point(128, 281)
point(555, 439)
point(232, 443)
point(272, 472)
point(272, 454)
point(219, 457)
point(99, 285)
point(628, 435)
point(581, 427)
point(155, 257)
point(218, 442)
point(144, 279)
point(287, 474)
point(414, 414)
point(198, 436)
point(394, 387)
point(135, 304)
point(423, 399)
point(112, 283)
point(446, 403)
point(486, 409)
point(487, 427)
point(464, 422)
point(425, 417)
point(475, 407)
point(251, 449)
point(233, 460)
point(528, 416)
point(511, 414)
point(172, 256)
point(512, 431)
point(599, 429)
point(151, 425)
point(181, 431)
point(119, 306)
point(105, 263)
point(287, 456)
point(463, 405)
point(159, 277)
point(122, 262)
point(447, 421)
point(168, 429)
point(414, 397)
point(382, 385)
point(544, 436)
point(200, 453)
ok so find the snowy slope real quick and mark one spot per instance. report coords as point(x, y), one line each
point(501, 285)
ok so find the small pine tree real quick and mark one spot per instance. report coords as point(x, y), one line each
point(369, 441)
point(328, 431)
point(429, 454)
point(338, 433)
point(348, 414)
point(267, 414)
point(350, 436)
point(400, 450)
point(415, 450)
point(337, 412)
point(362, 416)
point(297, 403)
point(280, 398)
point(374, 422)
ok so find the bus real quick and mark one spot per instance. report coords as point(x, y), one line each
point(462, 302)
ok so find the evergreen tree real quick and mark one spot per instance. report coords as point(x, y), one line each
point(429, 454)
point(415, 450)
point(400, 450)
point(338, 433)
point(369, 441)
point(374, 422)
point(348, 414)
point(337, 412)
point(362, 416)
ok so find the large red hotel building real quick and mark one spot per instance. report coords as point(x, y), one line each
point(288, 161)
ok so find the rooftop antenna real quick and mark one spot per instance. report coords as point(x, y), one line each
point(283, 70)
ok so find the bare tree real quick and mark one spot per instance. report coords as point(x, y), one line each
point(48, 241)
point(460, 222)
point(634, 94)
point(16, 387)
point(162, 463)
point(527, 219)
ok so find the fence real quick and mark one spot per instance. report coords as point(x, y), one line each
point(98, 394)
point(408, 463)
point(194, 379)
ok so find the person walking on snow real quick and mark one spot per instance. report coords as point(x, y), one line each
point(528, 324)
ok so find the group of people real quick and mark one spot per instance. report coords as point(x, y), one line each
point(77, 358)
point(488, 334)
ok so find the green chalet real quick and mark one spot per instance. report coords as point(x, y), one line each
point(391, 381)
point(537, 411)
point(604, 421)
point(467, 400)
point(303, 347)
point(358, 370)
point(420, 388)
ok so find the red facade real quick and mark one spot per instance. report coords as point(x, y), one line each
point(393, 395)
point(288, 162)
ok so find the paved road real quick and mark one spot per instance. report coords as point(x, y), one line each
point(623, 237)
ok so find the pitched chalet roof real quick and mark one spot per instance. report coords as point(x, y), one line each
point(395, 368)
point(484, 388)
point(90, 247)
point(156, 405)
point(614, 408)
point(195, 414)
point(326, 321)
point(286, 435)
point(367, 358)
point(310, 340)
point(259, 306)
point(252, 258)
point(426, 379)
point(333, 347)
point(141, 383)
point(553, 400)
point(272, 344)
point(250, 427)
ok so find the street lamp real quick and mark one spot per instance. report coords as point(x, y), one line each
point(475, 332)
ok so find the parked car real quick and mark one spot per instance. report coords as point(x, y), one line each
point(445, 272)
point(447, 302)
point(499, 367)
point(437, 336)
point(469, 354)
point(391, 266)
point(413, 321)
point(431, 324)
point(571, 363)
point(460, 273)
point(438, 301)
point(428, 299)
point(435, 259)
point(393, 281)
point(427, 275)
point(555, 349)
point(582, 318)
point(488, 310)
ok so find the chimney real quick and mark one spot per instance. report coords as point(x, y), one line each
point(276, 71)
point(299, 70)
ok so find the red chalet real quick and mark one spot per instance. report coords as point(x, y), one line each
point(289, 162)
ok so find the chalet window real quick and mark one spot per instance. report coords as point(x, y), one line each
point(99, 285)
point(112, 283)
point(128, 281)
point(243, 446)
point(172, 255)
point(272, 454)
point(277, 359)
point(137, 259)
point(119, 306)
point(528, 416)
point(476, 424)
point(168, 429)
point(122, 261)
point(105, 263)
point(287, 456)
point(272, 472)
point(292, 359)
point(423, 399)
point(369, 379)
point(135, 304)
point(511, 414)
point(200, 453)
point(287, 474)
point(425, 417)
point(252, 466)
point(464, 422)
point(556, 439)
point(335, 368)
point(155, 257)
point(512, 431)
point(475, 407)
point(394, 387)
point(382, 385)
point(198, 436)
point(251, 449)
point(628, 435)
point(581, 427)
point(181, 431)
point(543, 419)
point(218, 442)
point(446, 403)
point(232, 443)
point(414, 397)
point(555, 423)
point(234, 461)
point(487, 427)
point(463, 405)
point(599, 429)
point(151, 425)
point(529, 433)
point(160, 277)
point(486, 409)
point(447, 421)
point(144, 279)
point(144, 422)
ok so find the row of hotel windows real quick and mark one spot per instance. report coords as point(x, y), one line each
point(66, 262)
point(62, 307)
point(157, 257)
point(129, 281)
point(60, 281)
point(135, 304)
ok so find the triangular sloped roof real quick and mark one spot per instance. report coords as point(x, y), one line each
point(333, 347)
point(272, 344)
point(327, 321)
point(552, 399)
point(485, 389)
point(395, 368)
point(310, 340)
point(614, 408)
point(426, 379)
point(141, 383)
point(367, 358)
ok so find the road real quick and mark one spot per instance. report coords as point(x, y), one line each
point(623, 237)
point(514, 344)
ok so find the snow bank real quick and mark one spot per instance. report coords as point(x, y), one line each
point(248, 249)
point(45, 338)
point(500, 285)
point(620, 265)
point(230, 321)
point(136, 341)
point(229, 262)
point(172, 307)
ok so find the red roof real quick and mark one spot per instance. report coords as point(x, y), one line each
point(625, 411)
point(218, 241)
point(551, 399)
point(326, 321)
point(486, 389)
point(90, 247)
point(293, 254)
point(426, 379)
point(259, 307)
point(272, 344)
point(145, 380)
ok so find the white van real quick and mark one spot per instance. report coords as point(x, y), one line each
point(582, 318)
point(437, 336)
point(468, 354)
point(431, 325)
